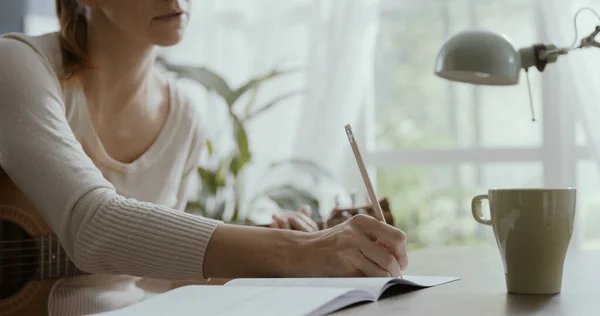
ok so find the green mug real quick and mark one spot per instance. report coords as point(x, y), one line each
point(533, 229)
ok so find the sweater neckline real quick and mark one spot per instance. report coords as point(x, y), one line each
point(147, 157)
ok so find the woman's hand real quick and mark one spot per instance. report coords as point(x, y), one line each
point(357, 248)
point(354, 248)
point(300, 220)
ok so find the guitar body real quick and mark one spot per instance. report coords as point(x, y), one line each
point(20, 294)
point(31, 300)
point(23, 288)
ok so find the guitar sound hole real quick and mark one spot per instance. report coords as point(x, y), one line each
point(19, 258)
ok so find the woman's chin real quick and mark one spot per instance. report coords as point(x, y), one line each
point(167, 40)
point(166, 36)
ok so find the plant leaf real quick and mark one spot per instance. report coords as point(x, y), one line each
point(313, 168)
point(250, 103)
point(236, 165)
point(208, 78)
point(252, 83)
point(221, 175)
point(196, 208)
point(209, 147)
point(208, 179)
point(242, 141)
point(272, 103)
point(290, 197)
point(219, 212)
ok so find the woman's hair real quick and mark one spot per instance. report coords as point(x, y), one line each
point(73, 36)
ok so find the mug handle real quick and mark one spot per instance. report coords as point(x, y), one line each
point(476, 209)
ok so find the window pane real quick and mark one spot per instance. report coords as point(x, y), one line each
point(505, 113)
point(588, 201)
point(580, 139)
point(431, 204)
point(416, 109)
point(513, 175)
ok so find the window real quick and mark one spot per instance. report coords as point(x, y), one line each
point(438, 143)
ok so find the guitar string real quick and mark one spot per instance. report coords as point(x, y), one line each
point(34, 275)
point(30, 243)
point(25, 240)
point(35, 272)
point(31, 255)
point(21, 256)
point(35, 245)
point(21, 249)
point(23, 282)
point(54, 270)
point(46, 261)
point(29, 264)
point(29, 250)
point(54, 255)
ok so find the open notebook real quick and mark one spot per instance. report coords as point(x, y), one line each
point(285, 296)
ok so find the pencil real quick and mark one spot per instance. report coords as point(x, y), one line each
point(368, 185)
point(365, 175)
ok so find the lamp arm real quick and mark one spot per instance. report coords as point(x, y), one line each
point(590, 41)
point(540, 55)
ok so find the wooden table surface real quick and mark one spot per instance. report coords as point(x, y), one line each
point(482, 290)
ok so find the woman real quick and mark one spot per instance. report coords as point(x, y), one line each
point(104, 147)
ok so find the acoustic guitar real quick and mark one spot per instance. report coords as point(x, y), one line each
point(32, 259)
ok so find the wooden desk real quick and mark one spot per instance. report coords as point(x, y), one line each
point(482, 291)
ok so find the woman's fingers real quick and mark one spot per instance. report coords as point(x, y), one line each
point(305, 216)
point(297, 222)
point(379, 255)
point(280, 222)
point(361, 246)
point(393, 238)
point(367, 267)
point(400, 256)
point(306, 210)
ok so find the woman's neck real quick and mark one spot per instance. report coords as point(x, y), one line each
point(122, 67)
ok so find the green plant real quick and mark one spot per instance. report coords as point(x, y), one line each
point(226, 172)
point(291, 196)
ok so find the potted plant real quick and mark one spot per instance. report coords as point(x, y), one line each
point(219, 183)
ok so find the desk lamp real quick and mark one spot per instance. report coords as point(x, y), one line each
point(483, 57)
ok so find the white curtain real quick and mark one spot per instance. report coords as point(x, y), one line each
point(332, 41)
point(573, 84)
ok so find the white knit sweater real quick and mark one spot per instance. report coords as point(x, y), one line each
point(99, 208)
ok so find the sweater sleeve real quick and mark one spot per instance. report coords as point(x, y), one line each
point(101, 231)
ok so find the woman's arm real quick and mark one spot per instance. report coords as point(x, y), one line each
point(348, 249)
point(101, 231)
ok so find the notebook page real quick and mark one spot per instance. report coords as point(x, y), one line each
point(373, 286)
point(418, 281)
point(242, 301)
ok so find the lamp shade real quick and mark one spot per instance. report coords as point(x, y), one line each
point(479, 57)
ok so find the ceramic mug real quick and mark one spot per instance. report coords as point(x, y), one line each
point(533, 229)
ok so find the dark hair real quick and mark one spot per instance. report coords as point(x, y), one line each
point(73, 36)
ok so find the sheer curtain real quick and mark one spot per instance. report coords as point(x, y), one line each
point(572, 87)
point(331, 41)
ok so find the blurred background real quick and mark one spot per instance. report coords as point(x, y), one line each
point(430, 144)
